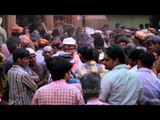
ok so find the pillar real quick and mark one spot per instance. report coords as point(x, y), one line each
point(49, 22)
point(10, 22)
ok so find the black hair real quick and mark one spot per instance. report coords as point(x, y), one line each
point(141, 26)
point(12, 43)
point(55, 33)
point(58, 67)
point(115, 51)
point(98, 39)
point(37, 17)
point(129, 48)
point(122, 39)
point(23, 23)
point(117, 25)
point(61, 17)
point(147, 59)
point(86, 52)
point(96, 53)
point(66, 56)
point(71, 31)
point(146, 25)
point(151, 39)
point(134, 55)
point(20, 53)
point(91, 84)
point(17, 33)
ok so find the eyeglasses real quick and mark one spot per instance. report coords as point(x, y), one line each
point(69, 49)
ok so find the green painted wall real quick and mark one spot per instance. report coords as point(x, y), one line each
point(127, 20)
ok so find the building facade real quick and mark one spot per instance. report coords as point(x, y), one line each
point(94, 21)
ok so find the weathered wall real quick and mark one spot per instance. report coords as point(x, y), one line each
point(127, 20)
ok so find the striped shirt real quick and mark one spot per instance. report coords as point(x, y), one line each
point(58, 93)
point(90, 66)
point(21, 86)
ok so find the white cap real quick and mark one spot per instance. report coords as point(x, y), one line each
point(31, 51)
point(68, 41)
point(47, 48)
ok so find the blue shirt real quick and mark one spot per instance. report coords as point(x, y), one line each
point(73, 80)
point(150, 83)
point(121, 87)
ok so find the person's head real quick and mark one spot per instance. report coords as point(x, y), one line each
point(17, 30)
point(59, 68)
point(114, 55)
point(123, 27)
point(56, 45)
point(42, 43)
point(24, 24)
point(86, 53)
point(105, 27)
point(140, 37)
point(79, 30)
point(146, 25)
point(13, 43)
point(48, 37)
point(151, 43)
point(47, 51)
point(38, 26)
point(117, 25)
point(141, 26)
point(71, 31)
point(122, 41)
point(62, 19)
point(32, 56)
point(24, 40)
point(68, 57)
point(56, 20)
point(84, 39)
point(146, 60)
point(134, 56)
point(69, 45)
point(65, 28)
point(91, 85)
point(98, 40)
point(129, 48)
point(38, 18)
point(56, 33)
point(21, 57)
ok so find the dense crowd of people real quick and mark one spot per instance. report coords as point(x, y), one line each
point(79, 66)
